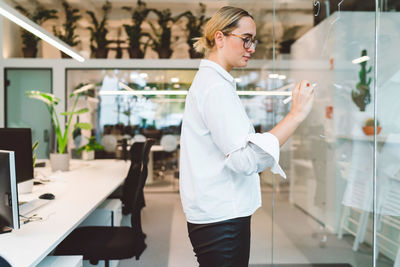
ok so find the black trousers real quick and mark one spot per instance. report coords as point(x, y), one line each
point(221, 244)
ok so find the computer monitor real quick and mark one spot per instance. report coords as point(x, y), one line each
point(19, 140)
point(9, 213)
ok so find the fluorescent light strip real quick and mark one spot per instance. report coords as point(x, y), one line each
point(16, 17)
point(131, 91)
point(181, 92)
point(144, 92)
point(360, 60)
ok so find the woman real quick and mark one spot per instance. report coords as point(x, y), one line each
point(221, 155)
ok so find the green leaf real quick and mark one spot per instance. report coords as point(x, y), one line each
point(35, 145)
point(83, 125)
point(82, 89)
point(47, 98)
point(81, 111)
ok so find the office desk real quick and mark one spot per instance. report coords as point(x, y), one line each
point(87, 185)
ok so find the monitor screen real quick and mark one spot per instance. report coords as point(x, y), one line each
point(8, 191)
point(19, 140)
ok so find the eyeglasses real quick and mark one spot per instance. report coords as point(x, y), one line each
point(247, 41)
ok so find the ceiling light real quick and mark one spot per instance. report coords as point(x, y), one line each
point(174, 80)
point(16, 17)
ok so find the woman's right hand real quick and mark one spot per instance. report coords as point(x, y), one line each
point(302, 99)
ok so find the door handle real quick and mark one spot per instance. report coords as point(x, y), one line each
point(46, 136)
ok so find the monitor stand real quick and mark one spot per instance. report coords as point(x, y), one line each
point(25, 187)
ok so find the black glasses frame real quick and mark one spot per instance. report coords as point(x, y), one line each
point(247, 41)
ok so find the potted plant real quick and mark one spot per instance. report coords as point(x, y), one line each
point(369, 127)
point(60, 160)
point(89, 149)
point(69, 26)
point(161, 37)
point(362, 96)
point(194, 28)
point(39, 16)
point(134, 31)
point(98, 32)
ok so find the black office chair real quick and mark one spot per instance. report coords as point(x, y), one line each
point(4, 263)
point(107, 243)
point(126, 192)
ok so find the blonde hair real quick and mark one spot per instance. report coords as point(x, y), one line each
point(225, 20)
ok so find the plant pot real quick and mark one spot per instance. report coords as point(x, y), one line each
point(357, 121)
point(194, 54)
point(59, 162)
point(135, 53)
point(88, 155)
point(369, 130)
point(101, 52)
point(165, 52)
point(29, 52)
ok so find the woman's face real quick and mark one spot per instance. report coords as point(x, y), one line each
point(234, 52)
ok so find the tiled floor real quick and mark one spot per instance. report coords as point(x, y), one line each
point(294, 236)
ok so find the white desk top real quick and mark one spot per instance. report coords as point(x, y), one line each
point(86, 186)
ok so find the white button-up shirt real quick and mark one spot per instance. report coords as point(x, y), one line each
point(221, 155)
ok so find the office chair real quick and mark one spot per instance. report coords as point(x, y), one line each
point(107, 243)
point(126, 192)
point(4, 263)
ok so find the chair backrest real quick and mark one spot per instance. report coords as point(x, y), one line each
point(136, 152)
point(143, 176)
point(4, 263)
point(131, 182)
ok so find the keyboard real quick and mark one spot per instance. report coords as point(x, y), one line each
point(28, 207)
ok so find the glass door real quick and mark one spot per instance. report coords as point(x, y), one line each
point(387, 135)
point(324, 212)
point(23, 112)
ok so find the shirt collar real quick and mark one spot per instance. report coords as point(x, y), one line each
point(219, 69)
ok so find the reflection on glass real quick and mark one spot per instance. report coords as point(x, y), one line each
point(325, 212)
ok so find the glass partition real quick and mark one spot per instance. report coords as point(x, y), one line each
point(338, 204)
point(387, 136)
point(324, 212)
point(23, 112)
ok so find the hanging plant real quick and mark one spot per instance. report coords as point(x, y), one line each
point(39, 16)
point(98, 32)
point(194, 27)
point(68, 33)
point(134, 31)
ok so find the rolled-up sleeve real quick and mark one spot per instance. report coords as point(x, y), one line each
point(256, 158)
point(246, 152)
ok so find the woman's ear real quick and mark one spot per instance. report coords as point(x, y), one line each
point(219, 38)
